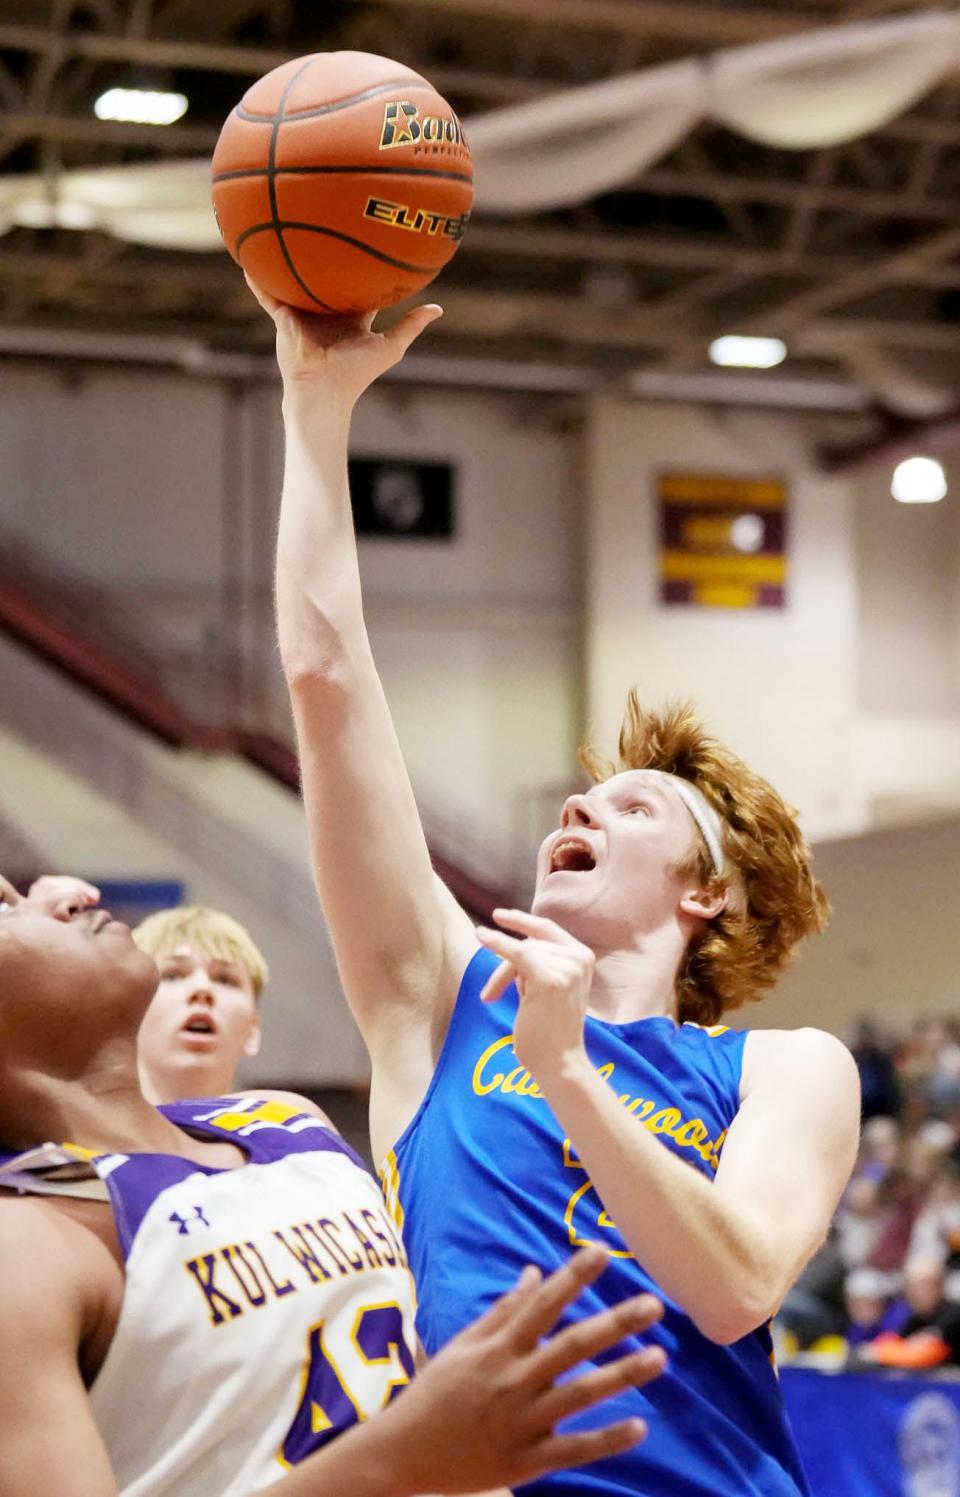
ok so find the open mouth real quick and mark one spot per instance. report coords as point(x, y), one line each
point(571, 856)
point(199, 1024)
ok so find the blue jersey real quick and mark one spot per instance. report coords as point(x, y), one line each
point(483, 1181)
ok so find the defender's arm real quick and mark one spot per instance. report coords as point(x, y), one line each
point(49, 1441)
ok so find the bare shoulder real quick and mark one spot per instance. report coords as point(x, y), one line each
point(61, 1296)
point(292, 1099)
point(807, 1058)
point(50, 1265)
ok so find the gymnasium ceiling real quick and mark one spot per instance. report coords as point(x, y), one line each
point(852, 253)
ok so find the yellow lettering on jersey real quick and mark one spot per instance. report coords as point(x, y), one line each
point(520, 1081)
point(686, 1133)
point(667, 1121)
point(603, 1221)
point(691, 1135)
point(481, 1084)
point(319, 1421)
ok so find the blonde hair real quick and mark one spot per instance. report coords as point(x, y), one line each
point(775, 900)
point(211, 931)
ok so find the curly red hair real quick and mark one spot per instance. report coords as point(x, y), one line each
point(775, 899)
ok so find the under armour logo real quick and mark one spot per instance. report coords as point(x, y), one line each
point(184, 1223)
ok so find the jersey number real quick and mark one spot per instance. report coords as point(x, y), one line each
point(334, 1397)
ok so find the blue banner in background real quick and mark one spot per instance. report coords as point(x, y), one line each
point(132, 899)
point(875, 1435)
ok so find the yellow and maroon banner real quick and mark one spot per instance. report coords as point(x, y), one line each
point(723, 540)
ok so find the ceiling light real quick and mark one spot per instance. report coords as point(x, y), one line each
point(918, 480)
point(747, 353)
point(140, 106)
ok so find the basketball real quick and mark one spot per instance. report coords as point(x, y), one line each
point(342, 182)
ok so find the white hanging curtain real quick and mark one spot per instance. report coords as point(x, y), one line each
point(573, 145)
point(805, 92)
point(165, 204)
point(828, 87)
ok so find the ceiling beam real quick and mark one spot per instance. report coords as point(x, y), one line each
point(831, 335)
point(88, 130)
point(840, 291)
point(743, 189)
point(488, 315)
point(247, 61)
point(793, 314)
point(104, 46)
point(606, 246)
point(698, 24)
point(490, 240)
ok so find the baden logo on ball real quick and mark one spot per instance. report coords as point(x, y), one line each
point(342, 182)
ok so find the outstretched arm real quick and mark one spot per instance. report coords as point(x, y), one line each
point(400, 939)
point(726, 1251)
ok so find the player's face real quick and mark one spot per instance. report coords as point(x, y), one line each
point(609, 873)
point(66, 971)
point(203, 1017)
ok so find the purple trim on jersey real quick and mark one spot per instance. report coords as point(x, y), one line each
point(135, 1181)
point(262, 1142)
point(135, 1184)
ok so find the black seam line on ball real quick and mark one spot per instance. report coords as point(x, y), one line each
point(332, 171)
point(345, 239)
point(254, 117)
point(272, 187)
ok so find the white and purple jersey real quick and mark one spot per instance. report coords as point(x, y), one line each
point(266, 1308)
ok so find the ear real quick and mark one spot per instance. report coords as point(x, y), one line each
point(704, 904)
point(252, 1044)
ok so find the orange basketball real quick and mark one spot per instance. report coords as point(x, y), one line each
point(342, 182)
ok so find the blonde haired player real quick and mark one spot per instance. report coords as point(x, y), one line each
point(202, 1297)
point(536, 1085)
point(205, 1015)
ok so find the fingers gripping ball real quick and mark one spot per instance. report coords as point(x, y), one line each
point(342, 182)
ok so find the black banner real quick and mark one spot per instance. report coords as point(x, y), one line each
point(402, 499)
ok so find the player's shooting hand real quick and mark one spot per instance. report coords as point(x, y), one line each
point(343, 353)
point(553, 972)
point(484, 1411)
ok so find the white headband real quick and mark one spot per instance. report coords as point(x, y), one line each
point(709, 823)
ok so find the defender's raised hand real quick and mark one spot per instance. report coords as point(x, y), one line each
point(495, 1393)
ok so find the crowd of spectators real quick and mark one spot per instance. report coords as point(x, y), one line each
point(885, 1288)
